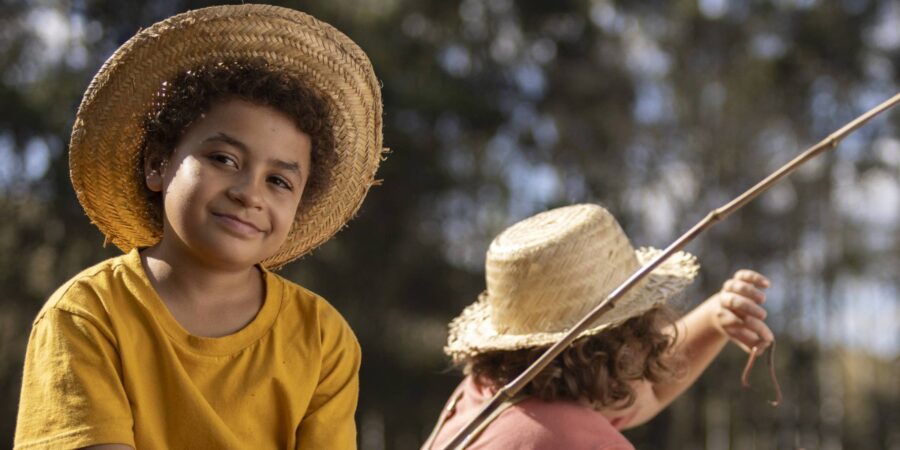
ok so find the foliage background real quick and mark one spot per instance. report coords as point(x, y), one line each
point(494, 110)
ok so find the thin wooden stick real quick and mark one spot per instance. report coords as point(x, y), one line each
point(716, 215)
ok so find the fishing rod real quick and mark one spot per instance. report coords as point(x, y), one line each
point(463, 437)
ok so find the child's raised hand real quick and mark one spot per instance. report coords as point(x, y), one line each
point(739, 314)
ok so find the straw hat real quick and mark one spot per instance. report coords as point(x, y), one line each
point(546, 272)
point(105, 150)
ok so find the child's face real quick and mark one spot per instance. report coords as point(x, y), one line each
point(232, 185)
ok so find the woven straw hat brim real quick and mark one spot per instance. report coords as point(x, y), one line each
point(108, 132)
point(473, 332)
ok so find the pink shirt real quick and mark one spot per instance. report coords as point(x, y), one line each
point(532, 424)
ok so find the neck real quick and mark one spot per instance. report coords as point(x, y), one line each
point(178, 277)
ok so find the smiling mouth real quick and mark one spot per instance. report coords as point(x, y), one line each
point(238, 226)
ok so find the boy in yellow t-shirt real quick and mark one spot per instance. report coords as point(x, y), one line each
point(211, 147)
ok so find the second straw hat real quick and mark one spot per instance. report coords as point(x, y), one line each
point(546, 272)
point(105, 149)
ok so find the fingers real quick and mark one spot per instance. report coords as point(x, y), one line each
point(747, 332)
point(741, 315)
point(733, 327)
point(745, 289)
point(761, 329)
point(742, 306)
point(752, 277)
point(743, 294)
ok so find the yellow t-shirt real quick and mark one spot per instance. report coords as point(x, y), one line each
point(108, 363)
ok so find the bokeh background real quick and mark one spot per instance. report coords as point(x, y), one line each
point(497, 109)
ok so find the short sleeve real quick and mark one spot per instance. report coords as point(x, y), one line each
point(72, 394)
point(329, 422)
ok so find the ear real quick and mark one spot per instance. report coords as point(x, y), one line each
point(154, 170)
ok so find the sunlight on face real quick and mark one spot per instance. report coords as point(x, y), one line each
point(232, 186)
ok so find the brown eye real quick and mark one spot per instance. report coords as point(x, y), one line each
point(280, 182)
point(222, 158)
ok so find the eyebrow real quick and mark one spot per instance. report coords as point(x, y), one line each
point(286, 165)
point(290, 166)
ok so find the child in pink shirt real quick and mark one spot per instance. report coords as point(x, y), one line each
point(543, 275)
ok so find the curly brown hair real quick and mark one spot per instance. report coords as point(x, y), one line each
point(595, 368)
point(192, 93)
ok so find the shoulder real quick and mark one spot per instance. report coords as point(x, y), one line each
point(311, 305)
point(536, 424)
point(87, 294)
point(299, 304)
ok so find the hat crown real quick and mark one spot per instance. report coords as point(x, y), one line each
point(545, 273)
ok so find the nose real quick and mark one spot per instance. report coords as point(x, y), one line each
point(246, 191)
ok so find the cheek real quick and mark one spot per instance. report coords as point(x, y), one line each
point(288, 214)
point(182, 187)
point(284, 217)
